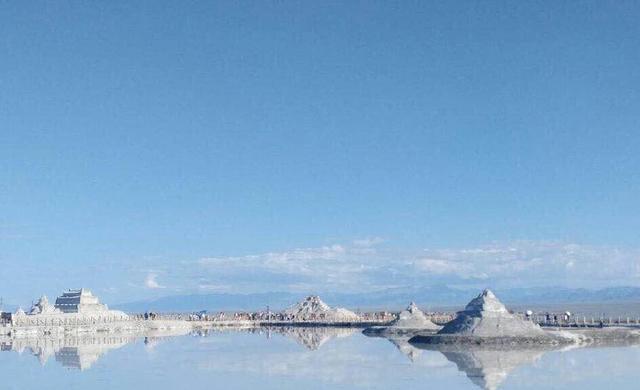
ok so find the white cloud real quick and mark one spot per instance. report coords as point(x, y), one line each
point(449, 267)
point(322, 268)
point(151, 281)
point(537, 262)
point(361, 266)
point(353, 267)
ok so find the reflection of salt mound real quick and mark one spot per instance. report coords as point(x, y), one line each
point(414, 318)
point(486, 316)
point(405, 348)
point(314, 337)
point(312, 308)
point(489, 368)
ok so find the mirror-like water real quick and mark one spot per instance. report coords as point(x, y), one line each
point(293, 358)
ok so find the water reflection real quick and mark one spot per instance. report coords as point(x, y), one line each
point(320, 356)
point(312, 338)
point(487, 367)
point(297, 356)
point(408, 350)
point(80, 352)
point(73, 352)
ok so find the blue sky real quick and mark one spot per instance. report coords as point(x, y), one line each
point(166, 147)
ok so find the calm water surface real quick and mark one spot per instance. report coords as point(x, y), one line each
point(302, 358)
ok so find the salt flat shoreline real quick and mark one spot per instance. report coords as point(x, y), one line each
point(135, 326)
point(141, 326)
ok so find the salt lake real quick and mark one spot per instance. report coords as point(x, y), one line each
point(294, 358)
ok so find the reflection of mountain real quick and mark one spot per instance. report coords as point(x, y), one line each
point(311, 338)
point(405, 348)
point(75, 352)
point(414, 354)
point(487, 367)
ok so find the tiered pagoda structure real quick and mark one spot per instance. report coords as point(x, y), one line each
point(79, 301)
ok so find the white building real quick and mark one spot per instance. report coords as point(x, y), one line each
point(79, 301)
point(72, 308)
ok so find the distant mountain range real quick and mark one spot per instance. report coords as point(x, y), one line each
point(391, 299)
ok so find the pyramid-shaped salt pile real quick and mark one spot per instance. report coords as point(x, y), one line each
point(486, 316)
point(410, 321)
point(486, 319)
point(414, 318)
point(312, 308)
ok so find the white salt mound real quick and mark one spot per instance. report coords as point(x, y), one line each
point(312, 308)
point(414, 318)
point(486, 316)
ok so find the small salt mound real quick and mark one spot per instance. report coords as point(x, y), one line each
point(414, 318)
point(486, 316)
point(312, 308)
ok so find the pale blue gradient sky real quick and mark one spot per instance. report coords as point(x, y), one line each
point(137, 139)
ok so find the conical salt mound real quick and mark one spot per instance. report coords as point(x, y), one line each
point(485, 320)
point(312, 308)
point(486, 303)
point(486, 316)
point(310, 305)
point(414, 318)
